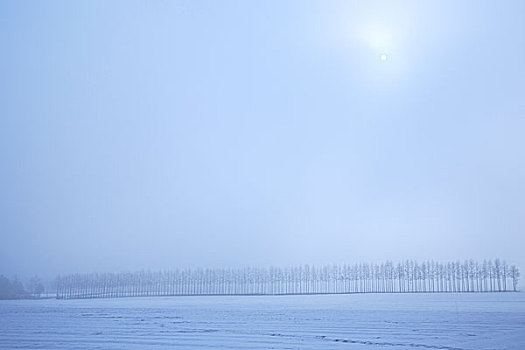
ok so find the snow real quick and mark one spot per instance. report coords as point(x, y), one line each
point(359, 321)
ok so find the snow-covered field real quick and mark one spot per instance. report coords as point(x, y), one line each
point(359, 321)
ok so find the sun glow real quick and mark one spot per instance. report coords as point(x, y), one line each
point(379, 38)
point(377, 35)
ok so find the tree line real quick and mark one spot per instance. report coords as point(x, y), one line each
point(404, 277)
point(14, 289)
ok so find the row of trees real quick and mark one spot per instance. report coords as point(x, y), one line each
point(408, 276)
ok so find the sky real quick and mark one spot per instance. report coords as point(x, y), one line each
point(170, 134)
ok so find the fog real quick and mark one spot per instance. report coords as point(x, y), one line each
point(156, 135)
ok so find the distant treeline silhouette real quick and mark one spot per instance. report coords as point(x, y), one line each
point(15, 289)
point(404, 277)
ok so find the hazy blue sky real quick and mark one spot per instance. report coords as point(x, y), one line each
point(163, 134)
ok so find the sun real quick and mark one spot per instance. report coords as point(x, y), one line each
point(384, 57)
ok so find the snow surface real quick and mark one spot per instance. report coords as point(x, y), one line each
point(358, 321)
